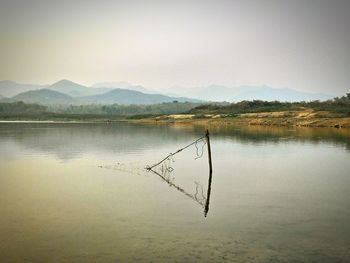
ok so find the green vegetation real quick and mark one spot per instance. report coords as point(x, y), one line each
point(21, 108)
point(35, 111)
point(25, 111)
point(338, 105)
point(243, 107)
point(126, 110)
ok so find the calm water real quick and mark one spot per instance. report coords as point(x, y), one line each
point(80, 193)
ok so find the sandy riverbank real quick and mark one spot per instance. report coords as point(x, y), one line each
point(303, 118)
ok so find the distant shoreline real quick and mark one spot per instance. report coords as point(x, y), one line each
point(276, 122)
point(284, 119)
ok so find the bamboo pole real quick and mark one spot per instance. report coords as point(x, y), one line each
point(209, 151)
point(206, 208)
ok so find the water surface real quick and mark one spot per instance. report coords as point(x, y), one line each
point(80, 193)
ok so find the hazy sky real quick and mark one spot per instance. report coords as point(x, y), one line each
point(297, 44)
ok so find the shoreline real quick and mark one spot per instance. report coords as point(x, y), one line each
point(315, 123)
point(306, 118)
point(274, 119)
point(311, 123)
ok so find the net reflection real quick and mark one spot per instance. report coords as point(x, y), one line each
point(165, 169)
point(198, 196)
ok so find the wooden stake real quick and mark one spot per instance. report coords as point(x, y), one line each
point(206, 208)
point(209, 151)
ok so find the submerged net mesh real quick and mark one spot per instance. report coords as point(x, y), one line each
point(164, 169)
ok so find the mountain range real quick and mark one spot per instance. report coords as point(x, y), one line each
point(68, 92)
point(122, 85)
point(10, 88)
point(76, 90)
point(236, 94)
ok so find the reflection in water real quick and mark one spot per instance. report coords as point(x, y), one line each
point(165, 173)
point(170, 181)
point(269, 134)
point(165, 170)
point(206, 206)
point(280, 195)
point(130, 168)
point(70, 140)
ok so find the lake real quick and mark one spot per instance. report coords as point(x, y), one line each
point(75, 192)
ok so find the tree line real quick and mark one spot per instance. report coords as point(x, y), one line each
point(115, 109)
point(338, 105)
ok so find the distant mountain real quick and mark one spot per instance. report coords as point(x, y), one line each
point(9, 88)
point(76, 90)
point(122, 85)
point(68, 92)
point(235, 94)
point(5, 99)
point(115, 96)
point(125, 96)
point(43, 96)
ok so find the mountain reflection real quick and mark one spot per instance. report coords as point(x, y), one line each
point(255, 134)
point(71, 140)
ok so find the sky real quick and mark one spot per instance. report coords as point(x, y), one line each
point(298, 44)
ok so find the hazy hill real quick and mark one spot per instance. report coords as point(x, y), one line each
point(235, 94)
point(125, 96)
point(76, 90)
point(9, 88)
point(125, 93)
point(122, 85)
point(43, 96)
point(116, 96)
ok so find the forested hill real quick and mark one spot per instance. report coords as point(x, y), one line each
point(66, 92)
point(115, 109)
